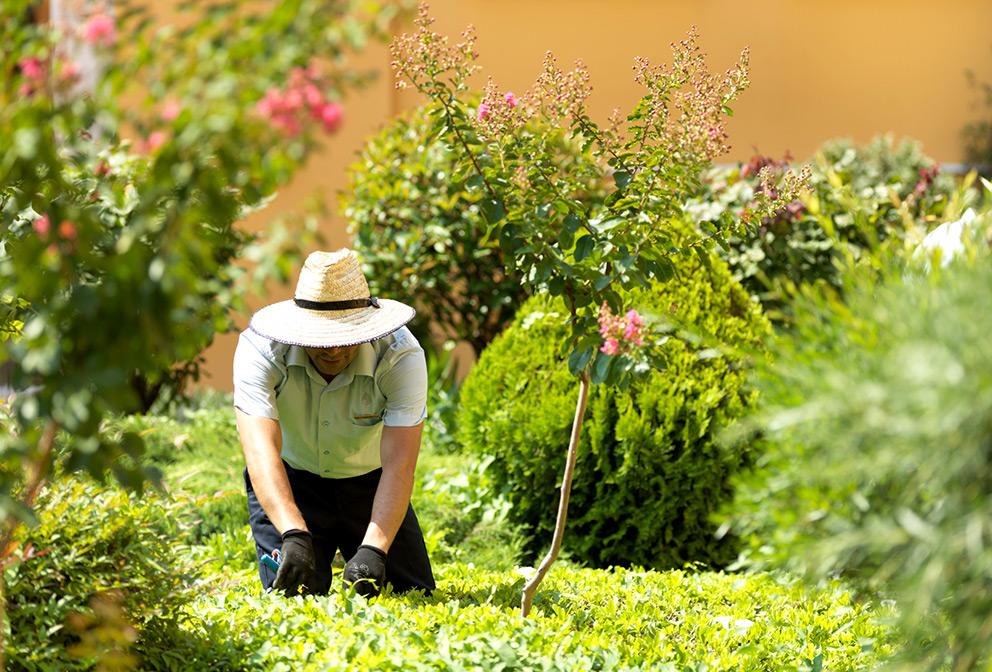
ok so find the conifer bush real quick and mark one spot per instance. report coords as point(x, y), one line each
point(649, 469)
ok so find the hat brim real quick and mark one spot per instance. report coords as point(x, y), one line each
point(286, 322)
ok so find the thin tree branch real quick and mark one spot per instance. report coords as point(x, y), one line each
point(566, 488)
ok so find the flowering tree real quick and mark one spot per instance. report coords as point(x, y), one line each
point(117, 222)
point(586, 252)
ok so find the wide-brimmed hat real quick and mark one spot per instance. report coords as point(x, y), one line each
point(332, 307)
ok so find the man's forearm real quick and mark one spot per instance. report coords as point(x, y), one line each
point(392, 499)
point(260, 439)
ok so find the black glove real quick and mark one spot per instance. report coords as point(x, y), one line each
point(298, 569)
point(366, 570)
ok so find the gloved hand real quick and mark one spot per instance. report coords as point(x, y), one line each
point(368, 565)
point(298, 571)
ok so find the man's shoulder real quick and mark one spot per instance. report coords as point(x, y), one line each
point(400, 341)
point(255, 343)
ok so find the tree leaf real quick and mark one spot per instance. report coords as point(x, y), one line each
point(584, 247)
point(492, 209)
point(579, 359)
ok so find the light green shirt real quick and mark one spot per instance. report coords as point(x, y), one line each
point(332, 429)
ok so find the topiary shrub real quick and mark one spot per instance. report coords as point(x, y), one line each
point(650, 470)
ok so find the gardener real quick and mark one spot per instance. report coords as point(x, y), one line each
point(330, 394)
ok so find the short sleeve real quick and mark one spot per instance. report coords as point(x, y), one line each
point(256, 376)
point(404, 384)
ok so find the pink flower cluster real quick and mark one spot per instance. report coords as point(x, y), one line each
point(34, 70)
point(302, 99)
point(65, 235)
point(498, 114)
point(99, 30)
point(43, 226)
point(620, 332)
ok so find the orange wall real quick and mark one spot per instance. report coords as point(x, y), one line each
point(819, 69)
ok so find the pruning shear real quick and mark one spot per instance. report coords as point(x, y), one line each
point(272, 561)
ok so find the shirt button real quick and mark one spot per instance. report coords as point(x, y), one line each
point(327, 452)
point(325, 423)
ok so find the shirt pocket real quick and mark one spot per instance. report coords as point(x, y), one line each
point(366, 406)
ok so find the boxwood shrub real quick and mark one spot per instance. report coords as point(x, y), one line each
point(650, 470)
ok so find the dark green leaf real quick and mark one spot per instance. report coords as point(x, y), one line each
point(584, 247)
point(492, 209)
point(579, 359)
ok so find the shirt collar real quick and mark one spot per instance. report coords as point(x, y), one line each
point(363, 365)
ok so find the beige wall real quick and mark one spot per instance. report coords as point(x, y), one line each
point(819, 69)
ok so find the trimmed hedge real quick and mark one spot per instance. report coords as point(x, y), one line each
point(583, 619)
point(650, 470)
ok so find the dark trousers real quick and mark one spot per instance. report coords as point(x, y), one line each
point(337, 512)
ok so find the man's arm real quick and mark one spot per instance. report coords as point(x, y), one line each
point(398, 449)
point(261, 440)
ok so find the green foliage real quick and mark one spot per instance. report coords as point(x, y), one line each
point(442, 398)
point(422, 235)
point(117, 255)
point(861, 196)
point(585, 620)
point(537, 207)
point(878, 414)
point(649, 470)
point(462, 514)
point(103, 575)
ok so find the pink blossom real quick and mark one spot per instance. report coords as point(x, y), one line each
point(32, 69)
point(630, 332)
point(313, 96)
point(171, 109)
point(331, 115)
point(610, 347)
point(633, 317)
point(155, 140)
point(69, 72)
point(483, 111)
point(99, 29)
point(293, 100)
point(67, 230)
point(42, 226)
point(511, 100)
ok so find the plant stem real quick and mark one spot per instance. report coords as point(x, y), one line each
point(566, 489)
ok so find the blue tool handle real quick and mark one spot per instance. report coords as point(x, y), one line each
point(270, 562)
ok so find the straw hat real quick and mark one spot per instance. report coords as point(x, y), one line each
point(331, 307)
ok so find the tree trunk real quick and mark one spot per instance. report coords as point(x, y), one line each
point(566, 489)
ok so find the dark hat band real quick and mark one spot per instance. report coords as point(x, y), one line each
point(338, 305)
